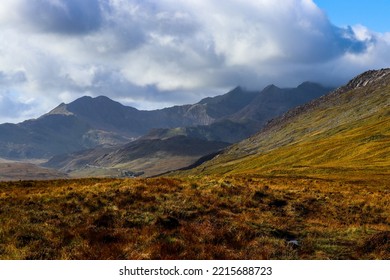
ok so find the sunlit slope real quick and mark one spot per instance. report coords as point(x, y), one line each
point(345, 133)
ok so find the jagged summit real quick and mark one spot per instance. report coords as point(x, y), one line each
point(80, 105)
point(270, 88)
point(367, 78)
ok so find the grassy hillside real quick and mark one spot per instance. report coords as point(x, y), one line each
point(344, 134)
point(235, 217)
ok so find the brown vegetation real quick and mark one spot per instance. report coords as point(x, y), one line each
point(236, 217)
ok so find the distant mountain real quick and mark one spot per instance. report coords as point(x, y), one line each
point(46, 136)
point(240, 113)
point(105, 114)
point(274, 101)
point(12, 171)
point(224, 130)
point(223, 106)
point(90, 122)
point(147, 157)
point(344, 133)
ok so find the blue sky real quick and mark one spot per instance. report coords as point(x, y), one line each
point(373, 14)
point(157, 53)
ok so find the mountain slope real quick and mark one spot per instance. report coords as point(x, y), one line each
point(345, 133)
point(149, 157)
point(42, 137)
point(224, 130)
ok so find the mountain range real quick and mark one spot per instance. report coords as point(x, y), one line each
point(96, 126)
point(276, 132)
point(345, 133)
point(89, 122)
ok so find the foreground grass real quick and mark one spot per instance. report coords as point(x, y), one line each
point(235, 217)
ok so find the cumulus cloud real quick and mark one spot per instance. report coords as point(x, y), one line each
point(153, 53)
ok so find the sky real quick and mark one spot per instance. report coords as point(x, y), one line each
point(372, 14)
point(157, 53)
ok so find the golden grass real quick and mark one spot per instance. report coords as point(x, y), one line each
point(347, 136)
point(211, 217)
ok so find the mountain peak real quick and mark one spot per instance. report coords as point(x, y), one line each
point(270, 88)
point(367, 78)
point(91, 100)
point(235, 91)
point(309, 85)
point(82, 99)
point(80, 105)
point(87, 105)
point(102, 98)
point(60, 110)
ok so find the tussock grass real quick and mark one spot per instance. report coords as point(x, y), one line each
point(211, 217)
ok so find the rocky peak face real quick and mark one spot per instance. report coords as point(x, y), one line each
point(60, 110)
point(198, 113)
point(367, 78)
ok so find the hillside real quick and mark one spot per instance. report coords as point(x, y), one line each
point(343, 134)
point(147, 157)
point(224, 130)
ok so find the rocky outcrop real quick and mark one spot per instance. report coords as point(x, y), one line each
point(367, 78)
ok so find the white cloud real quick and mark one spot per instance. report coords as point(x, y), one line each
point(170, 51)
